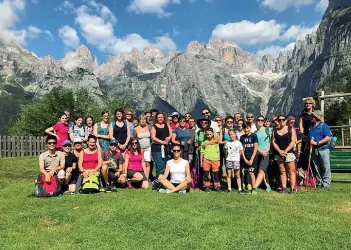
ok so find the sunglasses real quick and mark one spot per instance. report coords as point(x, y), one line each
point(51, 143)
point(67, 146)
point(229, 121)
point(205, 113)
point(176, 151)
point(174, 116)
point(204, 122)
point(187, 116)
point(249, 117)
point(218, 120)
point(113, 145)
point(309, 103)
point(260, 120)
point(134, 143)
point(129, 114)
point(182, 121)
point(281, 120)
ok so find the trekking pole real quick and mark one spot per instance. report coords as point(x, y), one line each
point(309, 167)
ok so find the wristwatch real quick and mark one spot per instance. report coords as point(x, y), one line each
point(317, 143)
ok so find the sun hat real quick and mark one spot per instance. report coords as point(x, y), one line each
point(77, 140)
point(175, 114)
point(318, 114)
point(198, 122)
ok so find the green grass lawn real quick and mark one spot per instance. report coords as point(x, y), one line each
point(145, 219)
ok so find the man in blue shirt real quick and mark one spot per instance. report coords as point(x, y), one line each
point(320, 135)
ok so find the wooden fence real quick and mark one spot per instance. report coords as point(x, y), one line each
point(19, 146)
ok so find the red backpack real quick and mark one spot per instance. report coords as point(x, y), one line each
point(47, 189)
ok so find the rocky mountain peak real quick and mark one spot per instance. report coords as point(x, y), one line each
point(79, 58)
point(152, 51)
point(337, 4)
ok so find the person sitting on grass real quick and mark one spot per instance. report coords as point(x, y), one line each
point(78, 147)
point(112, 165)
point(134, 167)
point(211, 161)
point(179, 171)
point(250, 144)
point(233, 149)
point(90, 160)
point(71, 168)
point(52, 162)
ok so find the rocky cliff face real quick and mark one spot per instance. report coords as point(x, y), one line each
point(321, 56)
point(218, 75)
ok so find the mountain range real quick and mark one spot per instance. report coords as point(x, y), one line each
point(218, 75)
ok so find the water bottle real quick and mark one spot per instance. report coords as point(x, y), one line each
point(37, 187)
point(163, 151)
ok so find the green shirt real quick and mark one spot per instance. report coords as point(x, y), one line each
point(211, 152)
point(200, 138)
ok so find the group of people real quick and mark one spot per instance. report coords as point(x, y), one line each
point(186, 152)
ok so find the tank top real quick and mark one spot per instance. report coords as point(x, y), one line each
point(144, 139)
point(120, 133)
point(161, 134)
point(177, 170)
point(104, 143)
point(283, 141)
point(90, 161)
point(135, 162)
point(226, 136)
point(306, 122)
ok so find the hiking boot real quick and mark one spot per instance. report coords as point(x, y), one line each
point(243, 186)
point(108, 188)
point(268, 189)
point(229, 190)
point(240, 191)
point(249, 187)
point(282, 190)
point(218, 190)
point(254, 191)
point(161, 190)
point(182, 192)
point(206, 190)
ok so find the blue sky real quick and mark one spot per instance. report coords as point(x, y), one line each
point(53, 27)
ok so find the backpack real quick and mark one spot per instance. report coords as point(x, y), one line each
point(332, 142)
point(106, 153)
point(91, 184)
point(196, 174)
point(47, 189)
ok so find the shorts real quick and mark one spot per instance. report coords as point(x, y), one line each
point(232, 165)
point(263, 163)
point(290, 157)
point(147, 154)
point(130, 174)
point(251, 168)
point(112, 174)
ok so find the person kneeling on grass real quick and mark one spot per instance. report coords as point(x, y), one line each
point(211, 160)
point(233, 149)
point(71, 168)
point(250, 144)
point(112, 166)
point(134, 167)
point(90, 160)
point(52, 162)
point(179, 171)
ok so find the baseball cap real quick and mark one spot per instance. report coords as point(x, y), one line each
point(291, 118)
point(175, 114)
point(66, 142)
point(77, 140)
point(113, 142)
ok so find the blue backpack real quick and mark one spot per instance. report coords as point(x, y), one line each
point(332, 142)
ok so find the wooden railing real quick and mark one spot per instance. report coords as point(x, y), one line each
point(19, 146)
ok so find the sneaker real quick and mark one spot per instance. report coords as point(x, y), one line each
point(249, 187)
point(268, 189)
point(218, 190)
point(161, 190)
point(229, 190)
point(240, 191)
point(282, 190)
point(293, 191)
point(155, 184)
point(108, 188)
point(206, 190)
point(168, 191)
point(129, 184)
point(254, 191)
point(243, 187)
point(102, 189)
point(182, 192)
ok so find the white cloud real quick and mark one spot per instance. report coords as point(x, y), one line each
point(165, 43)
point(297, 32)
point(246, 32)
point(34, 32)
point(66, 7)
point(151, 7)
point(322, 5)
point(69, 37)
point(273, 51)
point(96, 22)
point(10, 9)
point(281, 5)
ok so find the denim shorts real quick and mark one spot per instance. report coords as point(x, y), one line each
point(232, 165)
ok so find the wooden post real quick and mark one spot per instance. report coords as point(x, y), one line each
point(18, 148)
point(4, 146)
point(342, 136)
point(322, 102)
point(25, 146)
point(21, 146)
point(30, 146)
point(38, 146)
point(8, 146)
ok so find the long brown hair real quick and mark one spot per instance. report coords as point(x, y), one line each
point(130, 147)
point(164, 117)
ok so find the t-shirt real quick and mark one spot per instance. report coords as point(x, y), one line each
point(62, 132)
point(211, 152)
point(233, 150)
point(88, 131)
point(51, 161)
point(69, 160)
point(174, 125)
point(319, 135)
point(200, 137)
point(248, 142)
point(263, 139)
point(253, 128)
point(183, 135)
point(113, 156)
point(78, 132)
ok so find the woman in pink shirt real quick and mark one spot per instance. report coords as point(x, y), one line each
point(60, 131)
point(134, 167)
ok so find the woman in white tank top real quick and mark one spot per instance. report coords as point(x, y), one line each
point(179, 171)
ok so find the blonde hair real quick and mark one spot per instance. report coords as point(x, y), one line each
point(310, 99)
